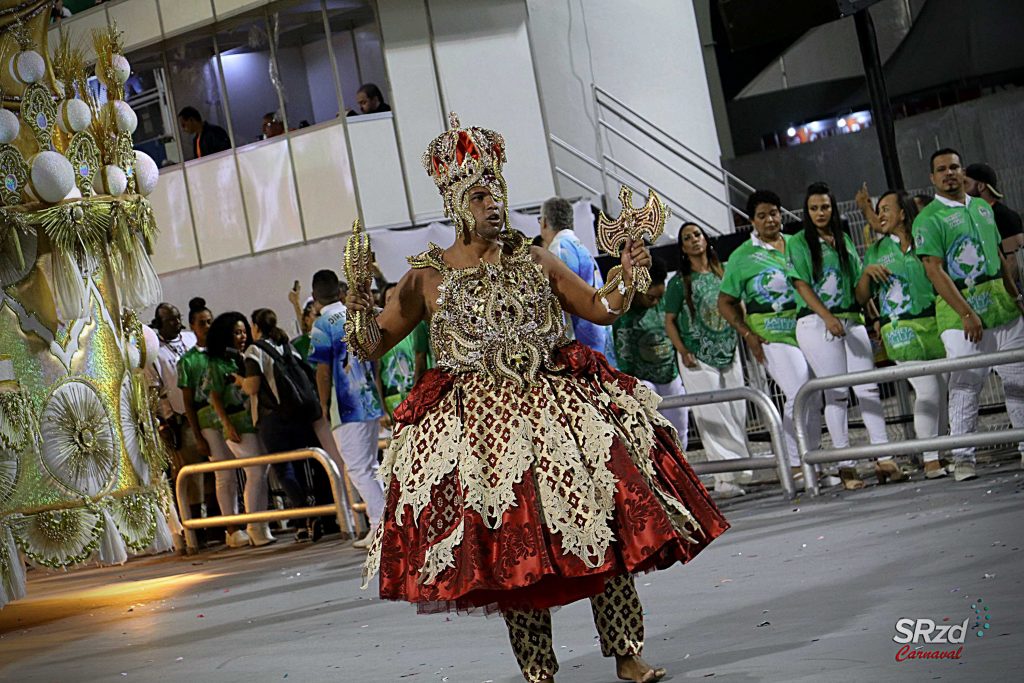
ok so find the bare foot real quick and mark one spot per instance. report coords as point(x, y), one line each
point(633, 668)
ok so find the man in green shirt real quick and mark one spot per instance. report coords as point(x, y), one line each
point(644, 350)
point(978, 306)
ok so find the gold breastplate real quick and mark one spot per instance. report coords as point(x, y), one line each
point(501, 319)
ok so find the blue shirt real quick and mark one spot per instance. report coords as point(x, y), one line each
point(567, 247)
point(353, 379)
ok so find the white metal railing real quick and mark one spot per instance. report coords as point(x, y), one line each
point(809, 458)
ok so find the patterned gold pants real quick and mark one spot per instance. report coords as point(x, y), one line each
point(618, 617)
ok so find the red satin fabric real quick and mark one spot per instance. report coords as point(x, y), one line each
point(521, 564)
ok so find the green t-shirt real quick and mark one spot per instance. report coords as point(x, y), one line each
point(756, 274)
point(642, 346)
point(421, 341)
point(707, 335)
point(967, 240)
point(906, 301)
point(398, 371)
point(192, 374)
point(235, 402)
point(302, 344)
point(835, 285)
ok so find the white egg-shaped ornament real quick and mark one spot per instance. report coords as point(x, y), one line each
point(75, 193)
point(27, 66)
point(50, 178)
point(147, 174)
point(73, 116)
point(9, 126)
point(122, 114)
point(120, 70)
point(112, 180)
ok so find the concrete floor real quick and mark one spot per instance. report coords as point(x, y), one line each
point(803, 591)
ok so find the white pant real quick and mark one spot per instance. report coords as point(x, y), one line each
point(788, 367)
point(929, 407)
point(965, 385)
point(255, 493)
point(829, 355)
point(357, 442)
point(679, 417)
point(723, 426)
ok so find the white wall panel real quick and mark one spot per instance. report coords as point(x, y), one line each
point(325, 180)
point(80, 27)
point(483, 56)
point(269, 192)
point(378, 170)
point(139, 20)
point(414, 95)
point(176, 245)
point(226, 8)
point(180, 15)
point(217, 208)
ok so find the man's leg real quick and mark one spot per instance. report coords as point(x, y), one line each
point(619, 617)
point(529, 631)
point(357, 442)
point(1008, 337)
point(964, 387)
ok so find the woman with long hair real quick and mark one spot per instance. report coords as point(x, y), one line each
point(895, 276)
point(229, 336)
point(760, 303)
point(824, 268)
point(708, 350)
point(194, 382)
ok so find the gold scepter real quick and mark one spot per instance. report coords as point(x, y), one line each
point(647, 222)
point(361, 331)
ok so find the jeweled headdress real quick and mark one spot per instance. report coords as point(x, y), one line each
point(461, 158)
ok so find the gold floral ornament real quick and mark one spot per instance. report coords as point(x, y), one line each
point(361, 331)
point(39, 111)
point(462, 158)
point(84, 155)
point(17, 245)
point(57, 538)
point(19, 428)
point(633, 224)
point(13, 174)
point(78, 439)
point(135, 517)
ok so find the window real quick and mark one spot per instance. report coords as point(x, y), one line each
point(195, 83)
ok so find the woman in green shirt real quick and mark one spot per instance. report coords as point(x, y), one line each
point(194, 382)
point(229, 336)
point(708, 352)
point(824, 268)
point(760, 303)
point(896, 277)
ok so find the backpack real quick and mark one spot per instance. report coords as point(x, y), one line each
point(297, 397)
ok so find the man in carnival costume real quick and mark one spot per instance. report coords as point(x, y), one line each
point(524, 472)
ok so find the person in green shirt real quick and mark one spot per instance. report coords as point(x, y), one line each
point(760, 303)
point(708, 351)
point(978, 306)
point(824, 268)
point(894, 275)
point(644, 350)
point(193, 380)
point(402, 366)
point(229, 336)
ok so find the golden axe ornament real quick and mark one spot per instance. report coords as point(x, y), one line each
point(632, 225)
point(81, 462)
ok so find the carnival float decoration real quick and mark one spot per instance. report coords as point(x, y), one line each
point(81, 462)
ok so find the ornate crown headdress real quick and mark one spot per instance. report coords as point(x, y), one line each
point(461, 158)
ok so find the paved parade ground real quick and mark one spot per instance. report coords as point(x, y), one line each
point(805, 591)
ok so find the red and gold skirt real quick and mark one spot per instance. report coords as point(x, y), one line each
point(501, 497)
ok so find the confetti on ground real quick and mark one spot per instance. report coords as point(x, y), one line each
point(764, 623)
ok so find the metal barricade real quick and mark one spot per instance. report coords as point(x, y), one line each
point(809, 458)
point(333, 474)
point(774, 424)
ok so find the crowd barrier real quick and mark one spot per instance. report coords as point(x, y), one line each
point(810, 458)
point(773, 422)
point(333, 475)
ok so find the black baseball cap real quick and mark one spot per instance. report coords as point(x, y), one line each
point(983, 173)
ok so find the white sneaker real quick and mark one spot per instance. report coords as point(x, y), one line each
point(239, 539)
point(727, 489)
point(964, 471)
point(259, 534)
